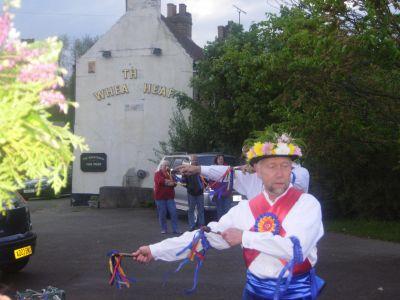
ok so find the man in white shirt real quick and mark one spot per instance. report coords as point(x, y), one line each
point(277, 229)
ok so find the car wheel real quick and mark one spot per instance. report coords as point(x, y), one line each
point(15, 266)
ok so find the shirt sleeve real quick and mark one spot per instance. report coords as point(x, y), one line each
point(214, 172)
point(167, 249)
point(302, 178)
point(241, 182)
point(304, 221)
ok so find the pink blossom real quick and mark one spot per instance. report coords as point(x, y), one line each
point(45, 73)
point(5, 25)
point(267, 148)
point(50, 98)
point(297, 151)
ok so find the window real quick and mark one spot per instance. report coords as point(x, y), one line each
point(91, 67)
point(177, 162)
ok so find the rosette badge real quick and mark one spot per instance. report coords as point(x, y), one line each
point(267, 222)
point(280, 146)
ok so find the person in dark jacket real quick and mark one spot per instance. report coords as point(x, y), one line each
point(194, 186)
point(164, 195)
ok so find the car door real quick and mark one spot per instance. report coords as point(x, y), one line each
point(180, 190)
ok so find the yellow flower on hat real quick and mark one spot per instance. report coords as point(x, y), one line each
point(292, 148)
point(250, 154)
point(258, 149)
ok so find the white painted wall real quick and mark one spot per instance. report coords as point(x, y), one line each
point(111, 125)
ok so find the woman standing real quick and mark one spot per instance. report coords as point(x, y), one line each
point(164, 195)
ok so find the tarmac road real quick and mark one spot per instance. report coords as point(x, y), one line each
point(73, 242)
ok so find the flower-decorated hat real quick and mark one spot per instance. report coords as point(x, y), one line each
point(272, 146)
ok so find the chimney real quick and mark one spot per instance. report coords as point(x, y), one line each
point(181, 22)
point(221, 32)
point(171, 10)
point(182, 8)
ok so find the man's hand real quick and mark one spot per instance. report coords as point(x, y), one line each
point(232, 236)
point(188, 169)
point(245, 169)
point(143, 255)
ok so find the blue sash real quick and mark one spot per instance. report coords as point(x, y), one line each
point(304, 286)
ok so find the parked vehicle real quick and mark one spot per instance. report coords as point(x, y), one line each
point(204, 159)
point(32, 186)
point(17, 240)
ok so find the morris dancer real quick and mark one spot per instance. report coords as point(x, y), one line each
point(246, 181)
point(268, 227)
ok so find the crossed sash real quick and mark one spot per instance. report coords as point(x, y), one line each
point(259, 206)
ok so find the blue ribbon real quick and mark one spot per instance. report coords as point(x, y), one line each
point(224, 186)
point(293, 178)
point(297, 259)
point(176, 178)
point(199, 236)
point(219, 191)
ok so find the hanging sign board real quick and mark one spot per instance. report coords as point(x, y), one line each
point(93, 162)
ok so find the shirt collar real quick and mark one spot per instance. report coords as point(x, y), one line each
point(276, 199)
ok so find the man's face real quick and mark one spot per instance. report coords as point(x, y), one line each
point(275, 174)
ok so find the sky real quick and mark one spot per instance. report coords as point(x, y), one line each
point(40, 19)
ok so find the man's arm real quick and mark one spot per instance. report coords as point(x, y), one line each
point(167, 249)
point(245, 183)
point(304, 221)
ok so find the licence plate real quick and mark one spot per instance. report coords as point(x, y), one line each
point(236, 198)
point(29, 191)
point(22, 252)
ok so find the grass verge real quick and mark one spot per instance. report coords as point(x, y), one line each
point(381, 230)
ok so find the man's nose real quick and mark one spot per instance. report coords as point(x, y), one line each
point(279, 171)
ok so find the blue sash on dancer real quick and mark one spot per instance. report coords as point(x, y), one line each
point(299, 287)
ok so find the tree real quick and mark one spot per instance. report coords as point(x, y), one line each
point(30, 145)
point(339, 67)
point(325, 71)
point(232, 100)
point(71, 51)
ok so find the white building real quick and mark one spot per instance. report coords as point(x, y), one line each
point(124, 86)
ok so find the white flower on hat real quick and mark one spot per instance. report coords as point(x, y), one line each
point(282, 149)
point(284, 138)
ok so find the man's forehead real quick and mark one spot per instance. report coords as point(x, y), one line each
point(276, 159)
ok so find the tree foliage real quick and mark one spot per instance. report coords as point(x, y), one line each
point(327, 72)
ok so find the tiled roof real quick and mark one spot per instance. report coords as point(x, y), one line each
point(190, 47)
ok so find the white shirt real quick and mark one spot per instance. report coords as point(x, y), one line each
point(301, 177)
point(303, 221)
point(251, 185)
